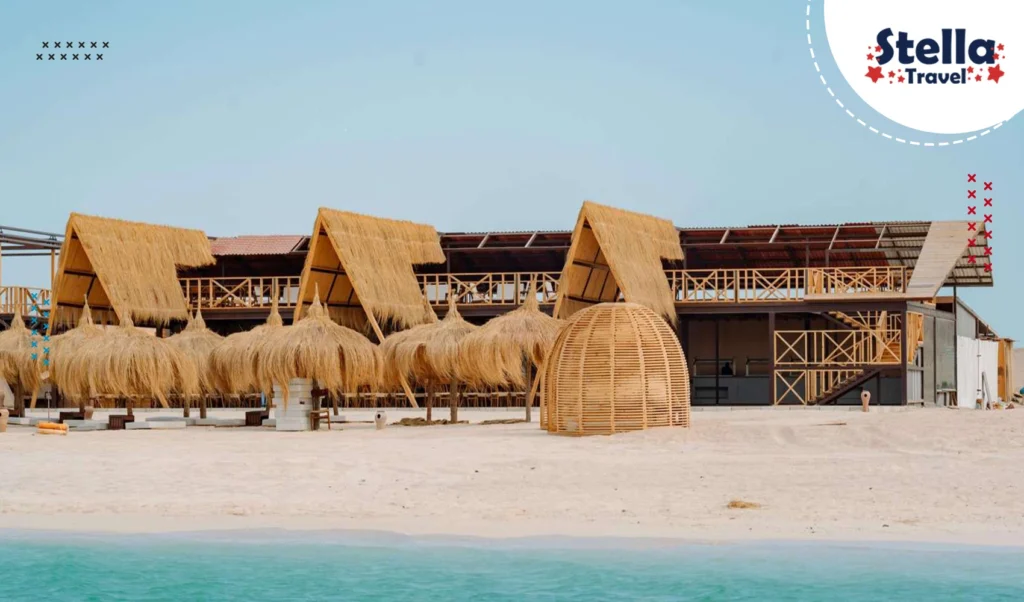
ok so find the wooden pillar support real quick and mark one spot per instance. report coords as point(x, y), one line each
point(771, 354)
point(904, 360)
point(401, 377)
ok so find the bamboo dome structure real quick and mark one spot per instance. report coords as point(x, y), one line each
point(17, 366)
point(233, 362)
point(125, 362)
point(338, 358)
point(428, 354)
point(615, 367)
point(506, 350)
point(197, 342)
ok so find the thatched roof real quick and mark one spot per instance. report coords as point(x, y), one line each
point(233, 362)
point(126, 269)
point(339, 359)
point(428, 353)
point(124, 361)
point(16, 363)
point(65, 347)
point(197, 342)
point(615, 251)
point(364, 264)
point(494, 354)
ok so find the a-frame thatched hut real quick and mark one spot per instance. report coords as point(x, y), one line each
point(618, 253)
point(124, 270)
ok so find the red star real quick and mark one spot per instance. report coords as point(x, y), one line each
point(891, 74)
point(994, 73)
point(879, 48)
point(970, 259)
point(972, 210)
point(875, 73)
point(995, 56)
point(977, 78)
point(988, 267)
point(900, 79)
point(1000, 47)
point(970, 69)
point(871, 57)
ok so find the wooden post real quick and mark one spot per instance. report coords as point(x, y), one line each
point(128, 405)
point(530, 395)
point(771, 351)
point(334, 403)
point(430, 400)
point(186, 402)
point(19, 400)
point(717, 360)
point(53, 271)
point(453, 402)
point(903, 355)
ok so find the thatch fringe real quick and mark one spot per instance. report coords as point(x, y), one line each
point(197, 342)
point(136, 267)
point(377, 257)
point(497, 353)
point(428, 353)
point(126, 362)
point(233, 362)
point(339, 359)
point(16, 363)
point(64, 348)
point(633, 246)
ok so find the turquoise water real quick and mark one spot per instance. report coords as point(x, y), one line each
point(60, 568)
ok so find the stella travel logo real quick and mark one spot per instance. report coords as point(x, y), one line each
point(949, 60)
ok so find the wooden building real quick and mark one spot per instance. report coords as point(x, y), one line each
point(769, 314)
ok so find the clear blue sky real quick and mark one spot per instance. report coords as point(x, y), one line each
point(245, 116)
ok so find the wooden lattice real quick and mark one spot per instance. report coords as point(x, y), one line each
point(616, 367)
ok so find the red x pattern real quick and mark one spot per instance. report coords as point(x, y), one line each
point(988, 185)
point(972, 177)
point(972, 210)
point(988, 202)
point(972, 194)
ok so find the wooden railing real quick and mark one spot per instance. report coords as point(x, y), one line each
point(27, 301)
point(211, 294)
point(511, 288)
point(508, 288)
point(783, 284)
point(826, 348)
point(810, 386)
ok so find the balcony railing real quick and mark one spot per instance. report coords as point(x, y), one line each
point(27, 301)
point(511, 288)
point(212, 294)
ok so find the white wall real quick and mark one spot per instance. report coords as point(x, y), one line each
point(974, 357)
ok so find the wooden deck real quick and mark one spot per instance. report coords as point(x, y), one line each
point(29, 302)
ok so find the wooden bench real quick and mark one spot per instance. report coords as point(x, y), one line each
point(256, 417)
point(116, 422)
point(75, 415)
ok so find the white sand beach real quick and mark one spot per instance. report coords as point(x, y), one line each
point(932, 475)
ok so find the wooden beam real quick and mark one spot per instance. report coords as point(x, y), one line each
point(533, 237)
point(80, 273)
point(483, 241)
point(401, 377)
point(590, 264)
point(725, 235)
point(834, 237)
point(774, 234)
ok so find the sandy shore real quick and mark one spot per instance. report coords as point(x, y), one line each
point(930, 475)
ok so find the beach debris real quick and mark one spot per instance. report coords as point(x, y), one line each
point(742, 505)
point(504, 421)
point(417, 421)
point(831, 424)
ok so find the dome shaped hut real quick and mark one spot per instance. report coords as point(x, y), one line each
point(506, 350)
point(616, 367)
point(233, 362)
point(338, 358)
point(197, 342)
point(17, 364)
point(428, 354)
point(64, 348)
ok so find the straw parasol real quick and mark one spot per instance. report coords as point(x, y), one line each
point(429, 354)
point(17, 365)
point(506, 349)
point(338, 358)
point(63, 349)
point(197, 342)
point(125, 362)
point(233, 362)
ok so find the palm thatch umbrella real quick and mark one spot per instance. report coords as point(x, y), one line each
point(125, 362)
point(429, 354)
point(64, 347)
point(233, 362)
point(197, 342)
point(338, 358)
point(507, 349)
point(18, 366)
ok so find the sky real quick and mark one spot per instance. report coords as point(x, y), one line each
point(244, 117)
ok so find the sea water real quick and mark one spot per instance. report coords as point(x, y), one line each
point(253, 568)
